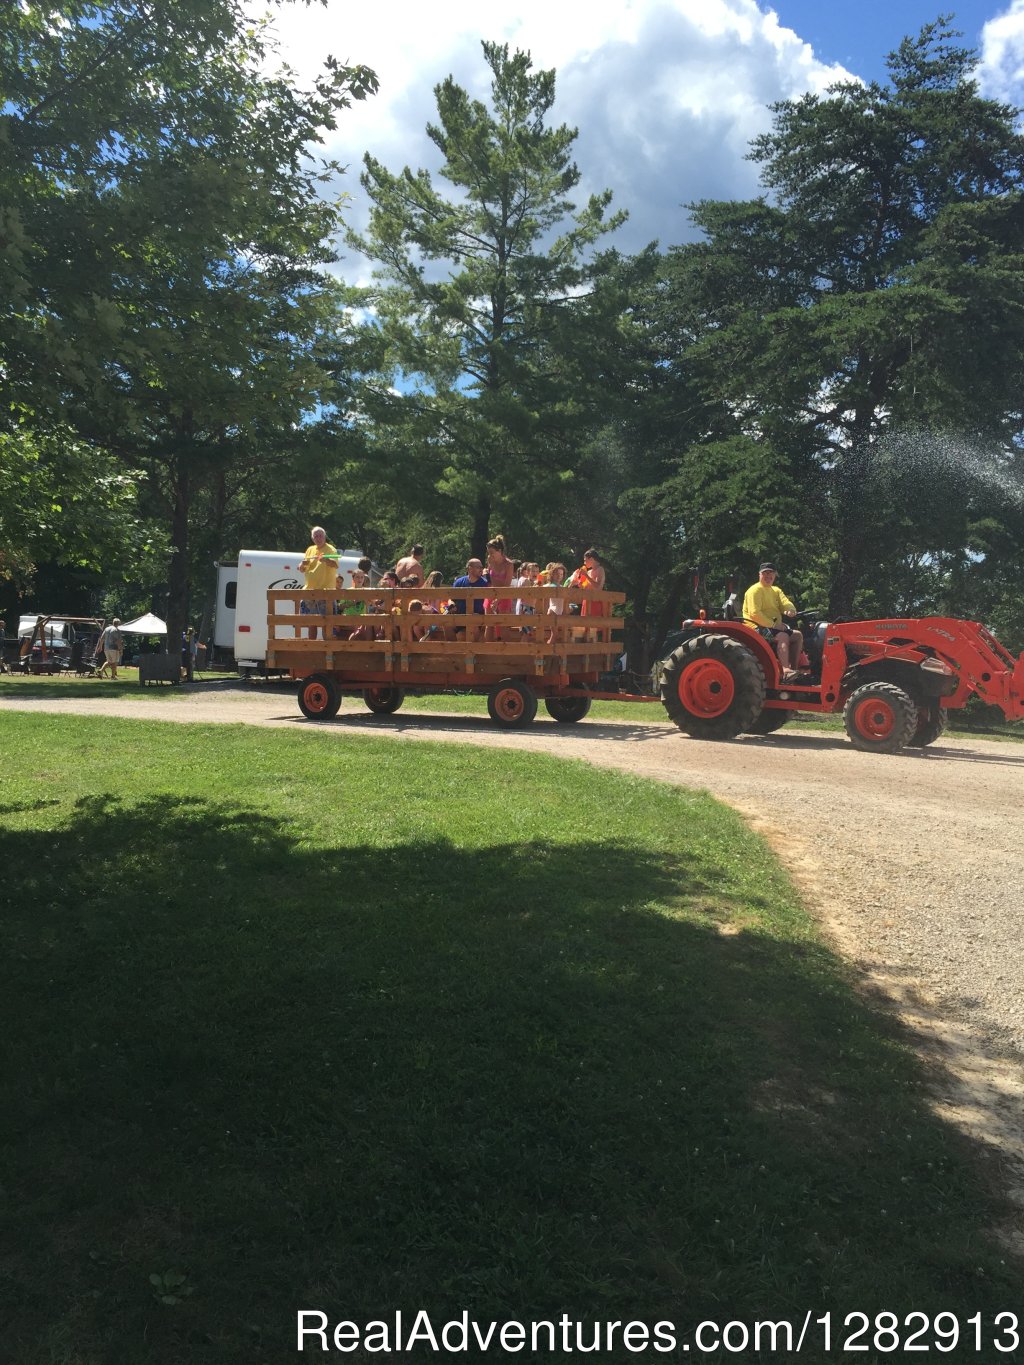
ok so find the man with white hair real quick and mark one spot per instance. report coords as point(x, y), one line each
point(110, 645)
point(320, 573)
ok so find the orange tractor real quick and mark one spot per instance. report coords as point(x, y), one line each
point(893, 680)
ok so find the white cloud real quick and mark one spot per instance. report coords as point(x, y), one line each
point(1001, 68)
point(666, 94)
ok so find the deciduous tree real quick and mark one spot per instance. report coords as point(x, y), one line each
point(164, 239)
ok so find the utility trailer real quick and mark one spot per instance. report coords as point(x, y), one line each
point(515, 660)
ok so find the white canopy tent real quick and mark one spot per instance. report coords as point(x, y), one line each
point(145, 625)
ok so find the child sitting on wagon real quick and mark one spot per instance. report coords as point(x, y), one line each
point(554, 578)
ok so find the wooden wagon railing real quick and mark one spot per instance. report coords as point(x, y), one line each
point(468, 648)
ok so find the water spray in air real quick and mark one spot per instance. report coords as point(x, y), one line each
point(954, 465)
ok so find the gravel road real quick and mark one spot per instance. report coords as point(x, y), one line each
point(914, 863)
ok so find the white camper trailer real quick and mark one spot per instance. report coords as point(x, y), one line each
point(240, 624)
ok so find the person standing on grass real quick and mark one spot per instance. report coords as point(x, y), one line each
point(110, 645)
point(319, 567)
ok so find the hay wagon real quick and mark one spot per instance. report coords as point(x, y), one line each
point(366, 642)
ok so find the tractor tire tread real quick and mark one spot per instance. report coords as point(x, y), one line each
point(903, 712)
point(748, 682)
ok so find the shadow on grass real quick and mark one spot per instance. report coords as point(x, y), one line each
point(370, 1078)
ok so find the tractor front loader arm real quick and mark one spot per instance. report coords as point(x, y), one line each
point(978, 665)
point(984, 667)
point(1013, 703)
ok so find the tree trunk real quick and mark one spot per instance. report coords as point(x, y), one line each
point(853, 475)
point(846, 578)
point(481, 526)
point(851, 519)
point(668, 616)
point(177, 574)
point(636, 635)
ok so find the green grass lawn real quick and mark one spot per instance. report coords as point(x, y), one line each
point(63, 685)
point(306, 1021)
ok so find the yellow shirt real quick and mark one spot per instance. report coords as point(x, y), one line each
point(765, 606)
point(321, 574)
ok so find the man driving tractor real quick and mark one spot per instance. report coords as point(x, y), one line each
point(769, 611)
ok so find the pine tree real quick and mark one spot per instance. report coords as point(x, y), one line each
point(481, 310)
point(878, 289)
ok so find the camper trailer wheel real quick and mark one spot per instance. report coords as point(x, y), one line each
point(319, 697)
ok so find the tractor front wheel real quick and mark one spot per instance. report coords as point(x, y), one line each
point(319, 697)
point(511, 704)
point(880, 718)
point(931, 725)
point(713, 687)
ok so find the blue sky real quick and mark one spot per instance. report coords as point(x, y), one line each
point(858, 35)
point(666, 94)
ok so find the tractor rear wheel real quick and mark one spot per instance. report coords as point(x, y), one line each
point(880, 718)
point(931, 725)
point(567, 710)
point(319, 697)
point(383, 701)
point(511, 704)
point(713, 687)
point(768, 722)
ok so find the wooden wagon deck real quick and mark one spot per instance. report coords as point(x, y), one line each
point(547, 654)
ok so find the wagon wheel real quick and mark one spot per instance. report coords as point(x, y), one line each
point(568, 710)
point(880, 718)
point(713, 687)
point(383, 701)
point(511, 704)
point(319, 697)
